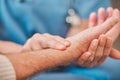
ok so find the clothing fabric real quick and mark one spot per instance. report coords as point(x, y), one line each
point(6, 69)
point(20, 19)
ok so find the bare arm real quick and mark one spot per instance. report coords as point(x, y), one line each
point(29, 63)
point(9, 47)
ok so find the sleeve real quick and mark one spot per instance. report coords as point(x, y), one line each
point(6, 69)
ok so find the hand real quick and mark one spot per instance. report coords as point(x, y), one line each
point(98, 48)
point(101, 18)
point(84, 38)
point(98, 51)
point(97, 54)
point(43, 41)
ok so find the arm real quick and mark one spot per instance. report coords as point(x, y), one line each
point(33, 62)
point(76, 29)
point(36, 42)
point(37, 61)
point(9, 47)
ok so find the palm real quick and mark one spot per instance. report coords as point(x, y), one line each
point(113, 34)
point(84, 38)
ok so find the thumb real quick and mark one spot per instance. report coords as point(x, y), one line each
point(115, 54)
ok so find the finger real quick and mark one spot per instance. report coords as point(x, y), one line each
point(92, 19)
point(109, 12)
point(92, 50)
point(98, 53)
point(115, 54)
point(114, 32)
point(62, 40)
point(83, 58)
point(110, 22)
point(100, 48)
point(102, 28)
point(101, 15)
point(53, 43)
point(27, 46)
point(36, 46)
point(106, 51)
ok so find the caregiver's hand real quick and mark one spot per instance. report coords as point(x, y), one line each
point(109, 26)
point(43, 41)
point(100, 48)
point(113, 34)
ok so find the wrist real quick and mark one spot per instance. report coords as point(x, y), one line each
point(74, 49)
point(9, 47)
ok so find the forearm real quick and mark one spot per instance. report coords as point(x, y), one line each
point(37, 61)
point(76, 29)
point(9, 47)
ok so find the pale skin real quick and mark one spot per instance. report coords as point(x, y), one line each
point(98, 48)
point(96, 54)
point(88, 58)
point(38, 42)
point(104, 45)
point(37, 61)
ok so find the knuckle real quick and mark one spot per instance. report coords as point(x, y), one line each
point(36, 35)
point(46, 34)
point(45, 46)
point(52, 43)
point(93, 48)
point(25, 48)
point(57, 36)
point(29, 40)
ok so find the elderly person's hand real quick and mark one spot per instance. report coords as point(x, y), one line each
point(44, 41)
